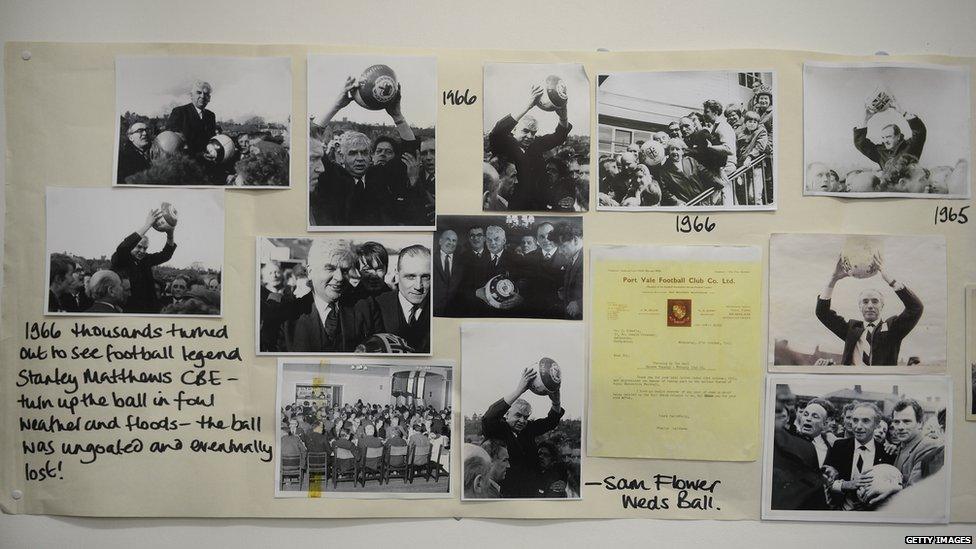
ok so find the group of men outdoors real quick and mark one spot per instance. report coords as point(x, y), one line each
point(311, 428)
point(544, 264)
point(524, 171)
point(129, 284)
point(342, 301)
point(691, 163)
point(362, 182)
point(187, 153)
point(825, 458)
point(516, 456)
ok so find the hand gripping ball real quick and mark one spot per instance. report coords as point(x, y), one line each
point(884, 478)
point(878, 100)
point(221, 150)
point(378, 88)
point(548, 377)
point(168, 219)
point(859, 257)
point(554, 94)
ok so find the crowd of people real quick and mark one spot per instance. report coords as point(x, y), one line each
point(851, 457)
point(524, 171)
point(374, 182)
point(515, 456)
point(316, 428)
point(345, 298)
point(192, 149)
point(895, 165)
point(543, 263)
point(128, 283)
point(698, 154)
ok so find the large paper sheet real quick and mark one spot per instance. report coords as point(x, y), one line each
point(675, 351)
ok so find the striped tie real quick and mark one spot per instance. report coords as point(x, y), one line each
point(869, 336)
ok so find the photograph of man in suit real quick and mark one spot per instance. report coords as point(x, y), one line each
point(873, 341)
point(405, 312)
point(850, 459)
point(569, 237)
point(796, 481)
point(319, 322)
point(194, 121)
point(448, 271)
point(132, 261)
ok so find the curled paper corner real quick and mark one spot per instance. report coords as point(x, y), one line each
point(881, 52)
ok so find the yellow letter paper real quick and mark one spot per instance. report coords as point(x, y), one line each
point(675, 357)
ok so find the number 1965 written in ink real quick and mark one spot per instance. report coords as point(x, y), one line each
point(948, 214)
point(689, 224)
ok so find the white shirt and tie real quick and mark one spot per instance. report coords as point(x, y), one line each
point(323, 307)
point(410, 311)
point(862, 350)
point(447, 263)
point(862, 461)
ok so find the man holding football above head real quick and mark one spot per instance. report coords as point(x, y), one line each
point(131, 261)
point(893, 144)
point(507, 420)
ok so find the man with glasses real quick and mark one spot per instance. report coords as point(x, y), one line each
point(134, 152)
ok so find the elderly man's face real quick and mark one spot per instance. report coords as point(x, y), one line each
point(517, 417)
point(383, 153)
point(413, 278)
point(271, 275)
point(542, 237)
point(863, 423)
point(328, 279)
point(507, 180)
point(139, 251)
point(179, 288)
point(525, 134)
point(356, 158)
point(476, 237)
point(139, 136)
point(569, 247)
point(890, 137)
point(499, 466)
point(813, 420)
point(528, 244)
point(448, 241)
point(427, 155)
point(871, 305)
point(200, 96)
point(904, 426)
point(496, 241)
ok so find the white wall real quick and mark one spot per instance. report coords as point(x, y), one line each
point(863, 27)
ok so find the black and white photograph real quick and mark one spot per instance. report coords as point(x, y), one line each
point(857, 448)
point(536, 138)
point(886, 130)
point(134, 252)
point(687, 140)
point(203, 121)
point(522, 407)
point(516, 266)
point(971, 350)
point(371, 146)
point(344, 294)
point(364, 429)
point(858, 301)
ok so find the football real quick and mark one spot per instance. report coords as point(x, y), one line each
point(651, 153)
point(378, 87)
point(547, 379)
point(221, 150)
point(169, 218)
point(554, 94)
point(859, 257)
point(878, 100)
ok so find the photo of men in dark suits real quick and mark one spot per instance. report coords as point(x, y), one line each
point(362, 174)
point(511, 267)
point(830, 454)
point(360, 296)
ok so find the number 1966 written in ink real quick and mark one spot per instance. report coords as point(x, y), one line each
point(689, 224)
point(947, 214)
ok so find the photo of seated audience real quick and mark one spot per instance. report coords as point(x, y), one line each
point(364, 428)
point(864, 444)
point(686, 140)
point(136, 253)
point(895, 130)
point(372, 144)
point(341, 296)
point(518, 266)
point(203, 121)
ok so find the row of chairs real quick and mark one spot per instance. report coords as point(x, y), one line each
point(342, 465)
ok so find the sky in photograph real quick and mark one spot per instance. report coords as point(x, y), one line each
point(91, 222)
point(243, 87)
point(494, 355)
point(507, 88)
point(417, 77)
